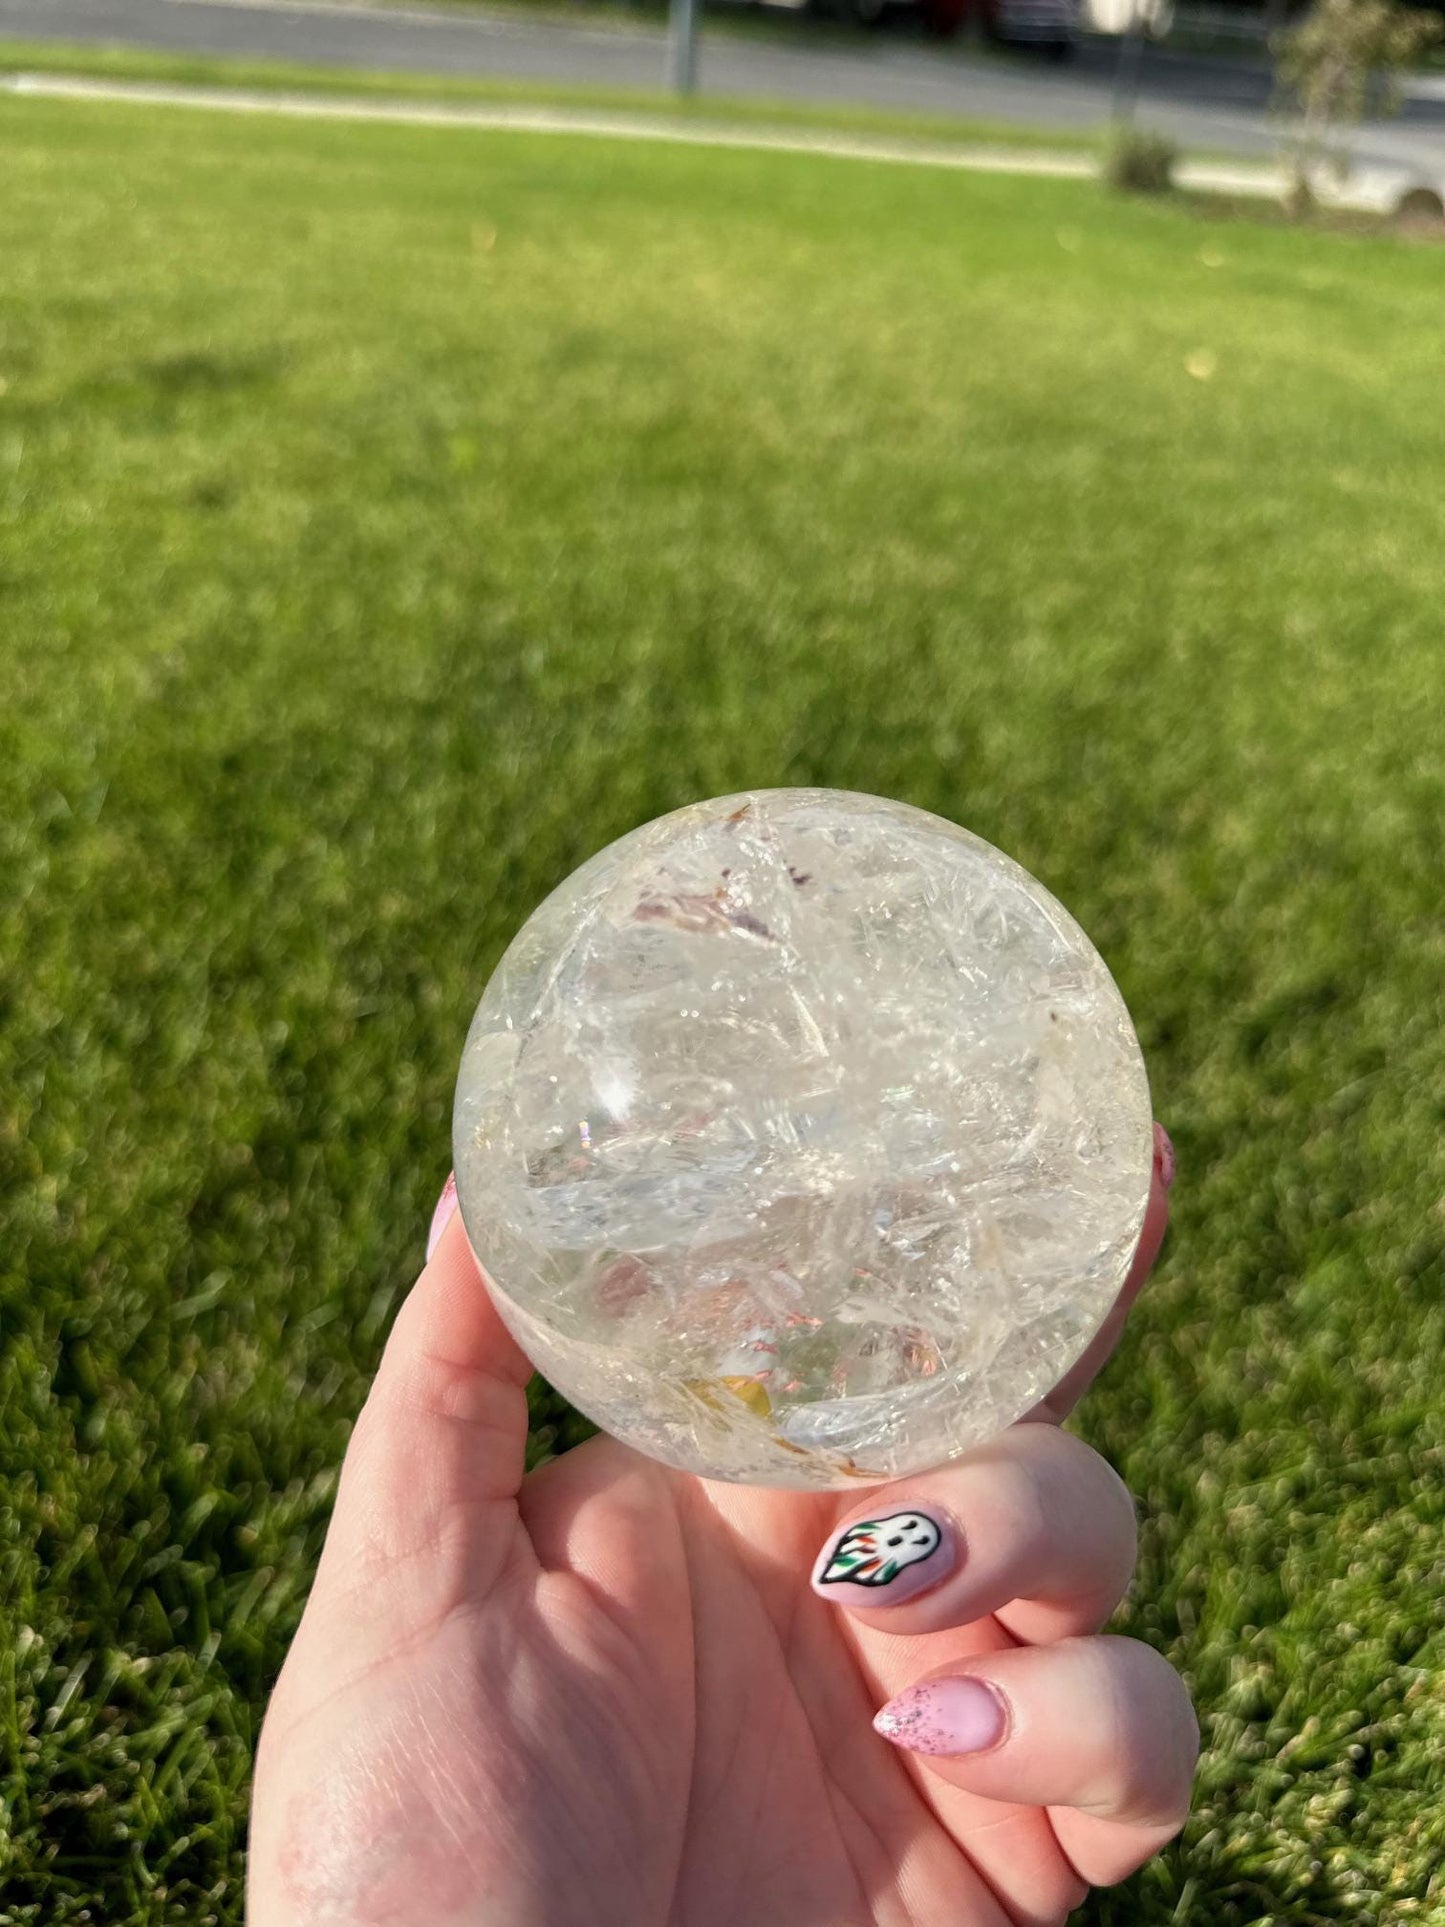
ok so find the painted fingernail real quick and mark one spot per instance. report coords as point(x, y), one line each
point(961, 1715)
point(1163, 1156)
point(442, 1216)
point(883, 1560)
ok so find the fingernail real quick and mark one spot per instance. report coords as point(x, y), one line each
point(885, 1559)
point(961, 1715)
point(1163, 1156)
point(442, 1216)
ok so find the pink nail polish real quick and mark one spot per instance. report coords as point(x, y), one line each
point(441, 1217)
point(1163, 1156)
point(944, 1716)
point(886, 1558)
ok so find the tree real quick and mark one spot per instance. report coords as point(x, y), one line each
point(1340, 55)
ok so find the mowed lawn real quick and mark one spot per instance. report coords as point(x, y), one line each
point(389, 518)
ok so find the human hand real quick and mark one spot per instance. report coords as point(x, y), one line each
point(607, 1693)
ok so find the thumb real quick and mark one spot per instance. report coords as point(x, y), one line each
point(436, 1458)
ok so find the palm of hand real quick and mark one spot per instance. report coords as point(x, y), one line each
point(607, 1694)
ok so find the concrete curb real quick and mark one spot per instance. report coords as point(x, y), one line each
point(1371, 190)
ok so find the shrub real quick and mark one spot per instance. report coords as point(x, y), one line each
point(1140, 162)
point(1420, 204)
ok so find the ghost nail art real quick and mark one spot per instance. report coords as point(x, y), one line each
point(895, 1556)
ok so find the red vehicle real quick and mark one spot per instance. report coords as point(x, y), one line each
point(1052, 24)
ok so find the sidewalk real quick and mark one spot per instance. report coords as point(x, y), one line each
point(1371, 190)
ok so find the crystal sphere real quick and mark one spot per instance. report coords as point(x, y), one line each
point(803, 1137)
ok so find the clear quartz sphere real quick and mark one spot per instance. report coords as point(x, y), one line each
point(803, 1137)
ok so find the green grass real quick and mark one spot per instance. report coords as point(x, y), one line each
point(388, 518)
point(209, 70)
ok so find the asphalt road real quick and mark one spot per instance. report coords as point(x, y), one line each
point(1201, 103)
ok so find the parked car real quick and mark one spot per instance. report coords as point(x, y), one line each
point(1053, 25)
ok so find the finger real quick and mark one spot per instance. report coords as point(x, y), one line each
point(1034, 1527)
point(1099, 1726)
point(1080, 1376)
point(442, 1436)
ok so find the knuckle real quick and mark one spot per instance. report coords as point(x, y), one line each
point(1116, 1496)
point(1015, 1504)
point(1154, 1734)
point(1084, 1486)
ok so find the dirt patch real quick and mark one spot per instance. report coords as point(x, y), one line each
point(1419, 217)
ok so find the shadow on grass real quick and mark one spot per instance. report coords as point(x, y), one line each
point(210, 374)
point(188, 374)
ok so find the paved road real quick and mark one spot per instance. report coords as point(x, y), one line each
point(1213, 104)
